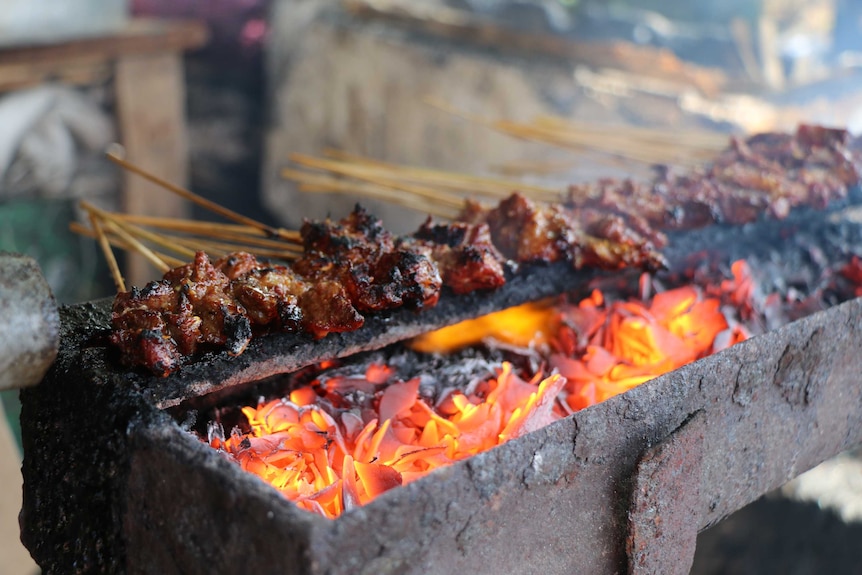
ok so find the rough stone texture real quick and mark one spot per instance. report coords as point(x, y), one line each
point(72, 510)
point(112, 484)
point(29, 322)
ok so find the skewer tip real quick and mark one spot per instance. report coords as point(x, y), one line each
point(116, 151)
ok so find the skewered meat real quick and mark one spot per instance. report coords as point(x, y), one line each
point(207, 305)
point(349, 268)
point(361, 255)
point(192, 306)
point(140, 330)
point(355, 266)
point(464, 254)
point(270, 296)
point(327, 309)
point(527, 232)
point(770, 173)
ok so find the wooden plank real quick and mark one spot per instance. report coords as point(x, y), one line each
point(151, 112)
point(86, 71)
point(461, 26)
point(141, 36)
point(88, 61)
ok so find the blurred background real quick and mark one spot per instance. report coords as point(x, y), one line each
point(217, 94)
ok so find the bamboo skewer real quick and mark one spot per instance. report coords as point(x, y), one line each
point(199, 227)
point(119, 282)
point(376, 176)
point(118, 229)
point(383, 194)
point(186, 246)
point(217, 239)
point(652, 154)
point(431, 191)
point(219, 231)
point(689, 139)
point(483, 185)
point(162, 241)
point(444, 204)
point(151, 256)
point(185, 237)
point(201, 201)
point(443, 193)
point(119, 243)
point(641, 144)
point(224, 248)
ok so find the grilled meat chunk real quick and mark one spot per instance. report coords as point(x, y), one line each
point(767, 173)
point(218, 319)
point(270, 296)
point(355, 266)
point(464, 254)
point(527, 232)
point(140, 330)
point(360, 254)
point(327, 309)
point(194, 306)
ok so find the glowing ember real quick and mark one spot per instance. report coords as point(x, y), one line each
point(327, 464)
point(341, 442)
point(608, 349)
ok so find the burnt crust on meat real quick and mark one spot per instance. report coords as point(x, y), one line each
point(350, 268)
point(768, 173)
point(354, 266)
point(464, 253)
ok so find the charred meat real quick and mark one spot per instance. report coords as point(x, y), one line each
point(354, 266)
point(464, 254)
point(767, 173)
point(350, 268)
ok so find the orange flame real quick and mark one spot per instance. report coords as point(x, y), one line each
point(328, 459)
point(525, 325)
point(327, 464)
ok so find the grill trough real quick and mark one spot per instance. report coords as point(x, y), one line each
point(114, 483)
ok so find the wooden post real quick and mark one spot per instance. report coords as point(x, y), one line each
point(146, 59)
point(151, 111)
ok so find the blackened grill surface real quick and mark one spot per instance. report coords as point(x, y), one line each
point(284, 352)
point(113, 484)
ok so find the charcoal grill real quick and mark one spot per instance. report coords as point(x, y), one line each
point(113, 483)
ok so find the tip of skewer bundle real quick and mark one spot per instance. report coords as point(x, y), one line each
point(116, 151)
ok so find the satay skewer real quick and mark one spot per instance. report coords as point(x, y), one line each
point(444, 205)
point(117, 276)
point(117, 242)
point(484, 185)
point(119, 229)
point(227, 213)
point(202, 227)
point(376, 176)
point(194, 228)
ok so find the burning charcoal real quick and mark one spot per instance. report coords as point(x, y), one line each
point(385, 418)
